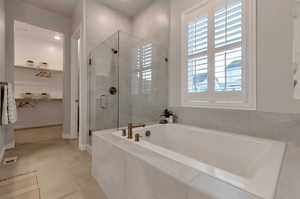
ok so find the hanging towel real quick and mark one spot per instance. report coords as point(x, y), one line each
point(1, 103)
point(9, 109)
point(12, 108)
point(4, 107)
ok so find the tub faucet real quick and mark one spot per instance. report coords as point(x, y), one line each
point(130, 127)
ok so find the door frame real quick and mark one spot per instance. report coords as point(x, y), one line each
point(76, 64)
point(80, 32)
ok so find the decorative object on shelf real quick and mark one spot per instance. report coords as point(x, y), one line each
point(25, 104)
point(167, 117)
point(35, 96)
point(29, 63)
point(34, 68)
point(43, 65)
point(46, 74)
point(44, 96)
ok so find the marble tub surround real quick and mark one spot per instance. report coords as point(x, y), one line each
point(153, 169)
point(277, 126)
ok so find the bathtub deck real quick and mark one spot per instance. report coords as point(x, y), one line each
point(119, 164)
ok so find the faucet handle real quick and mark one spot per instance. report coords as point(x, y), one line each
point(137, 137)
point(148, 133)
point(124, 132)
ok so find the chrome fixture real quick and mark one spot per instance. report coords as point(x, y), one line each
point(123, 132)
point(3, 83)
point(137, 137)
point(130, 127)
point(148, 133)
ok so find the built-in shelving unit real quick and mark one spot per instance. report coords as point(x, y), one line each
point(39, 69)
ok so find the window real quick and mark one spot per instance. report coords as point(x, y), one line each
point(143, 70)
point(218, 56)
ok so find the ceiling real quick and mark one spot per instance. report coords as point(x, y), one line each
point(66, 7)
point(62, 7)
point(28, 30)
point(127, 7)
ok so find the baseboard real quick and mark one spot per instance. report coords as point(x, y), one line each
point(10, 146)
point(89, 149)
point(69, 137)
point(82, 147)
point(37, 127)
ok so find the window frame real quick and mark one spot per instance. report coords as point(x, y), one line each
point(246, 99)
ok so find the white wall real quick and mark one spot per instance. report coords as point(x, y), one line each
point(40, 51)
point(153, 23)
point(77, 15)
point(102, 22)
point(296, 54)
point(2, 63)
point(2, 40)
point(274, 55)
point(18, 10)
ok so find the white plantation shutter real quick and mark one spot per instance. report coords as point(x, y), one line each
point(217, 54)
point(198, 36)
point(144, 56)
point(228, 70)
point(197, 63)
point(228, 47)
point(197, 74)
point(228, 24)
point(143, 71)
point(147, 55)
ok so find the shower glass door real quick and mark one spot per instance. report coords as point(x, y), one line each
point(103, 85)
point(143, 80)
point(128, 82)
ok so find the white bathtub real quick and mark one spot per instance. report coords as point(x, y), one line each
point(208, 164)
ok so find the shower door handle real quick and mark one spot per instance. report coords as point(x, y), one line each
point(103, 101)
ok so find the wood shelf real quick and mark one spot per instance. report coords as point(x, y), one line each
point(41, 99)
point(38, 69)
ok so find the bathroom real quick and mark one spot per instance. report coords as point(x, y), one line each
point(226, 71)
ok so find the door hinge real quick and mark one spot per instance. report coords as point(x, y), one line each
point(90, 61)
point(90, 132)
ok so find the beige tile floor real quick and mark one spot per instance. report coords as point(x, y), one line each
point(63, 171)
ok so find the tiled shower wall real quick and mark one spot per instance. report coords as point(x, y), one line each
point(276, 126)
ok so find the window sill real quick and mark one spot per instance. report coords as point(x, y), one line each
point(229, 106)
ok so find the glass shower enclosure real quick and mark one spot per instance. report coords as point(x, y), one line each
point(128, 82)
